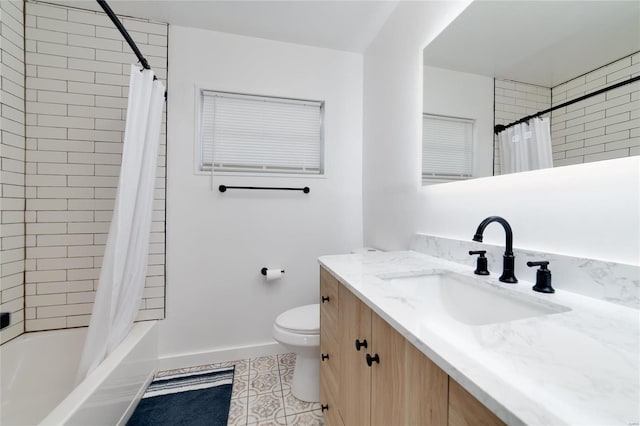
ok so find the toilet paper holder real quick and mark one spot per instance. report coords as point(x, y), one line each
point(263, 271)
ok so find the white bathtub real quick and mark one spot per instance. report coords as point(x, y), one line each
point(38, 372)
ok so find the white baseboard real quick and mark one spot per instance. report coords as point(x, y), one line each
point(171, 361)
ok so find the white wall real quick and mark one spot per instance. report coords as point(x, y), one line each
point(218, 242)
point(464, 95)
point(590, 210)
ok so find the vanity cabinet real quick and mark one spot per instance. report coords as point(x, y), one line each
point(355, 374)
point(329, 356)
point(370, 375)
point(465, 410)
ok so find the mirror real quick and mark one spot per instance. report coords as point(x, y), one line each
point(500, 61)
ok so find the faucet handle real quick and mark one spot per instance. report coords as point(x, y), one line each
point(543, 277)
point(542, 264)
point(481, 265)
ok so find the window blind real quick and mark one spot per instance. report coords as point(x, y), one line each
point(447, 148)
point(247, 133)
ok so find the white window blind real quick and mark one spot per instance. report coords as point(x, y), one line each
point(247, 133)
point(447, 148)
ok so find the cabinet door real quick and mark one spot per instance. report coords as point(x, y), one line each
point(355, 375)
point(465, 410)
point(406, 387)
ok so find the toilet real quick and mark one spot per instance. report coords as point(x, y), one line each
point(298, 330)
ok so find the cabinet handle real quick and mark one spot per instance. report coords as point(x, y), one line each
point(360, 344)
point(325, 356)
point(325, 299)
point(372, 359)
point(324, 407)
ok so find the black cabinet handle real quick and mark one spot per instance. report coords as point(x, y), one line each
point(372, 359)
point(325, 356)
point(324, 407)
point(325, 299)
point(360, 344)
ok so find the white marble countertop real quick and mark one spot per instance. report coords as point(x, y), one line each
point(577, 367)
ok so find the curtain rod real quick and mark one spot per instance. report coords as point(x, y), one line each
point(124, 33)
point(500, 127)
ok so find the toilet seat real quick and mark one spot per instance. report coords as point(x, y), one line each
point(301, 320)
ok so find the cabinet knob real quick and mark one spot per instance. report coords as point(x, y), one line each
point(372, 359)
point(324, 407)
point(360, 344)
point(325, 356)
point(325, 299)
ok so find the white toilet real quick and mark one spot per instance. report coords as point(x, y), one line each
point(298, 329)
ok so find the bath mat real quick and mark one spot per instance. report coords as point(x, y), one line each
point(194, 399)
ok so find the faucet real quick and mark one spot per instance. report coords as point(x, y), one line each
point(508, 275)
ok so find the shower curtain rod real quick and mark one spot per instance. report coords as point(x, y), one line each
point(500, 127)
point(103, 4)
point(132, 44)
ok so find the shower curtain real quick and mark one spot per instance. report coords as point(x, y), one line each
point(526, 146)
point(124, 265)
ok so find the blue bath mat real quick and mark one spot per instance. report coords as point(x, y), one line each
point(194, 399)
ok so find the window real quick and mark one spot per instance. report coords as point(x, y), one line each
point(247, 133)
point(447, 148)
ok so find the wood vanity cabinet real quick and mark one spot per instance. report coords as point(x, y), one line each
point(329, 356)
point(370, 375)
point(465, 410)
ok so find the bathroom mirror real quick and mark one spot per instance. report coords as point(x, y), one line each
point(500, 61)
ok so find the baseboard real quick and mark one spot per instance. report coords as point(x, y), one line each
point(171, 361)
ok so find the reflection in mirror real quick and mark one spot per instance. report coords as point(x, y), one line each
point(499, 62)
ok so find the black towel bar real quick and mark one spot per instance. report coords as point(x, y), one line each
point(223, 188)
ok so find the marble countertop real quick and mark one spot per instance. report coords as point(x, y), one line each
point(577, 367)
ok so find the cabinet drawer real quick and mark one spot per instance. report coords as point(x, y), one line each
point(328, 303)
point(327, 399)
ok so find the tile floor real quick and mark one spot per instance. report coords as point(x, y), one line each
point(262, 395)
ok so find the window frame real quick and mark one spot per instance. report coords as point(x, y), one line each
point(200, 169)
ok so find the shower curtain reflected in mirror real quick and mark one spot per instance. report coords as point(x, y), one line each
point(526, 146)
point(124, 266)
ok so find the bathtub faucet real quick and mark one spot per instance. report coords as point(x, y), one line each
point(508, 267)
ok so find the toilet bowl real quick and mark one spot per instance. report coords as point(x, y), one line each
point(298, 330)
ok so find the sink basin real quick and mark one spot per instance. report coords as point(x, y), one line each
point(452, 296)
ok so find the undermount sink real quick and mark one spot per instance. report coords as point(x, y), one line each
point(449, 295)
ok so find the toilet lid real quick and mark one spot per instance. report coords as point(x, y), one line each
point(301, 320)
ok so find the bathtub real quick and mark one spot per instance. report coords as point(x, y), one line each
point(38, 372)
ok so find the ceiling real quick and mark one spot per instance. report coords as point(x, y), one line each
point(538, 42)
point(340, 25)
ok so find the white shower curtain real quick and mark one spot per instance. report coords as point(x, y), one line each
point(526, 146)
point(124, 265)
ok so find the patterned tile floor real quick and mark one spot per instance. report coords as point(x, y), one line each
point(262, 395)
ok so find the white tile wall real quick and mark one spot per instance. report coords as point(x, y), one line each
point(77, 82)
point(604, 126)
point(514, 100)
point(12, 166)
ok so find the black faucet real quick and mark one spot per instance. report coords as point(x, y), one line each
point(508, 268)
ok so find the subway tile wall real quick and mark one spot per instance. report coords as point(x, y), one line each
point(603, 127)
point(77, 77)
point(12, 146)
point(514, 100)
